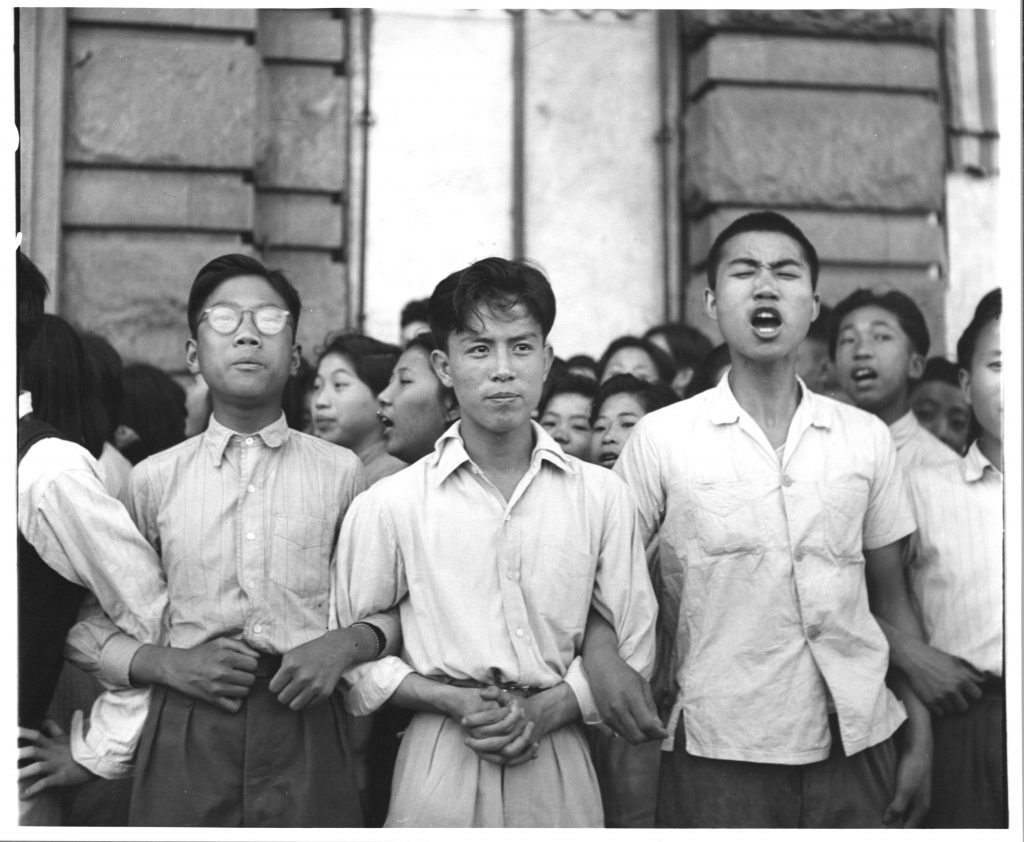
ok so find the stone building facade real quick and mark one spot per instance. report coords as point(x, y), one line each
point(369, 153)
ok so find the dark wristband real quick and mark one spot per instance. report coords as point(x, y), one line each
point(378, 636)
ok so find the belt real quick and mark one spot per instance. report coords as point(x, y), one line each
point(993, 686)
point(267, 666)
point(522, 690)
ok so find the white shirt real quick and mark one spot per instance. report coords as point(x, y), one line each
point(493, 588)
point(768, 561)
point(956, 559)
point(915, 446)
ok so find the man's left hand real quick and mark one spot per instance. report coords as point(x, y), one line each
point(310, 673)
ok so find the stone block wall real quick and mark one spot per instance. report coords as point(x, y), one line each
point(190, 133)
point(833, 118)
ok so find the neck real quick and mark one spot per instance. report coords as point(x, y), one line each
point(370, 450)
point(498, 453)
point(769, 393)
point(245, 419)
point(992, 447)
point(893, 412)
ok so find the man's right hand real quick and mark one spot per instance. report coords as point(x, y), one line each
point(220, 671)
point(946, 684)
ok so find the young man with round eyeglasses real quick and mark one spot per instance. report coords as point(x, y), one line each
point(245, 517)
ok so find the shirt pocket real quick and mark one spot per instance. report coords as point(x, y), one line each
point(562, 587)
point(301, 554)
point(844, 502)
point(725, 518)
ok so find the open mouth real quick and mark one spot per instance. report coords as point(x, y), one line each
point(766, 322)
point(607, 458)
point(386, 422)
point(864, 375)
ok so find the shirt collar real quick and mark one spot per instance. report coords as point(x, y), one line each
point(725, 409)
point(450, 452)
point(217, 437)
point(903, 429)
point(24, 404)
point(973, 465)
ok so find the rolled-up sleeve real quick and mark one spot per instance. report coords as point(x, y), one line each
point(106, 745)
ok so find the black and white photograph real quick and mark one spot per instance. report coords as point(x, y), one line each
point(514, 418)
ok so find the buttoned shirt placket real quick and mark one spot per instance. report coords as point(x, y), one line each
point(252, 525)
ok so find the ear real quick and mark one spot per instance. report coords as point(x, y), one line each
point(964, 376)
point(710, 304)
point(549, 358)
point(296, 359)
point(442, 368)
point(451, 407)
point(816, 308)
point(192, 356)
point(916, 367)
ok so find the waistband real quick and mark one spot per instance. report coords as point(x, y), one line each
point(267, 666)
point(994, 685)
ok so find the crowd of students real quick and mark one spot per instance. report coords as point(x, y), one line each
point(401, 586)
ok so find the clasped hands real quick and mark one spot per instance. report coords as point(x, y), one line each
point(502, 726)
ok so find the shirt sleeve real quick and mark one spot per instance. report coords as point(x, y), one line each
point(639, 466)
point(369, 583)
point(623, 594)
point(97, 646)
point(87, 537)
point(106, 746)
point(890, 515)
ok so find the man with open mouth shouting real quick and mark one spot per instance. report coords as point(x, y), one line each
point(782, 513)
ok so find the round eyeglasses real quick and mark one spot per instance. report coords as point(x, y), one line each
point(225, 318)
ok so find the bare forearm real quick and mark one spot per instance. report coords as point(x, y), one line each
point(599, 641)
point(419, 693)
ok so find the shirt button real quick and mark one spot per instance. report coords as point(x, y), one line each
point(508, 518)
point(813, 633)
point(252, 488)
point(249, 440)
point(251, 585)
point(787, 480)
point(251, 536)
point(258, 629)
point(520, 632)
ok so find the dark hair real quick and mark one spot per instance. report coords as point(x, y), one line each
point(426, 343)
point(988, 310)
point(663, 363)
point(582, 361)
point(567, 384)
point(703, 375)
point(493, 282)
point(294, 399)
point(415, 311)
point(761, 221)
point(153, 405)
point(650, 396)
point(902, 306)
point(32, 290)
point(941, 370)
point(105, 364)
point(229, 266)
point(687, 344)
point(55, 371)
point(372, 359)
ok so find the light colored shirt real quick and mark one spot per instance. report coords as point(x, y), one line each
point(915, 446)
point(493, 589)
point(245, 525)
point(114, 469)
point(956, 558)
point(768, 563)
point(86, 535)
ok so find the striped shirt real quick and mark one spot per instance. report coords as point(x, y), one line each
point(915, 446)
point(956, 560)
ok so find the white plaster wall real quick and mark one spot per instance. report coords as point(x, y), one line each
point(593, 179)
point(974, 254)
point(440, 154)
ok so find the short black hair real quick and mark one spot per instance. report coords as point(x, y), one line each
point(415, 311)
point(988, 310)
point(650, 396)
point(664, 364)
point(704, 374)
point(567, 384)
point(32, 290)
point(902, 306)
point(761, 221)
point(372, 360)
point(153, 406)
point(821, 327)
point(941, 370)
point(687, 344)
point(106, 367)
point(229, 266)
point(493, 282)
